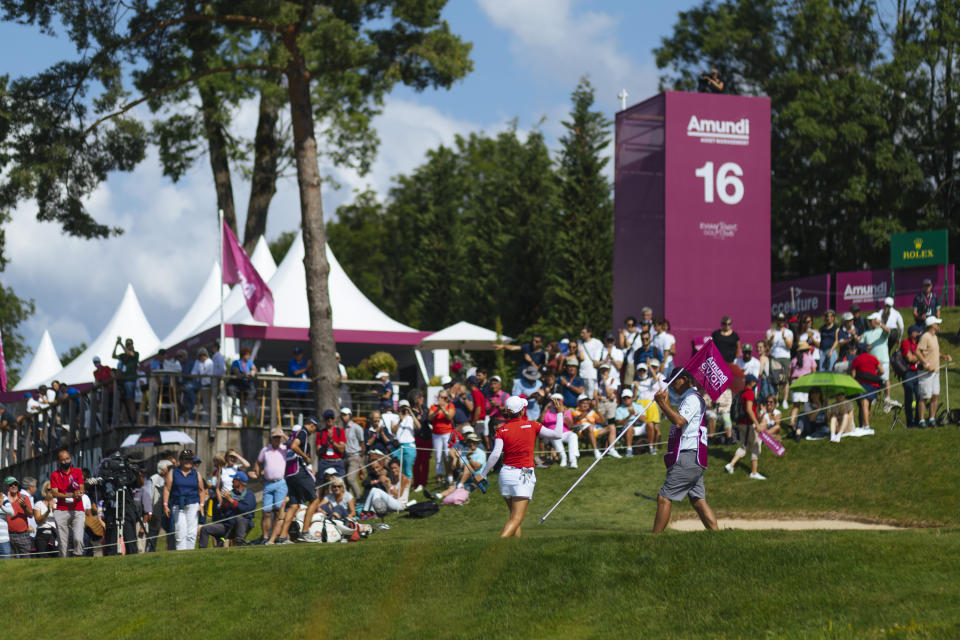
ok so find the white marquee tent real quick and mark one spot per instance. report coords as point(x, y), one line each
point(262, 261)
point(355, 317)
point(45, 364)
point(463, 335)
point(206, 302)
point(128, 321)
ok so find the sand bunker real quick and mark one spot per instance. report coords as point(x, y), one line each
point(789, 525)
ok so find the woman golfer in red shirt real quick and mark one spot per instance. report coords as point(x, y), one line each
point(515, 440)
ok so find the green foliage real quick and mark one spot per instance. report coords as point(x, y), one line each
point(865, 120)
point(368, 368)
point(13, 312)
point(281, 244)
point(71, 354)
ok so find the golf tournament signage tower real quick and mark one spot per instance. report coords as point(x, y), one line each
point(692, 213)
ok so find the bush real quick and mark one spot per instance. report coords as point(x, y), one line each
point(369, 367)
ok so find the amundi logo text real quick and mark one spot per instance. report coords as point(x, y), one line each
point(720, 131)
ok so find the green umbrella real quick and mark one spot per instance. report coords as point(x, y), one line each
point(830, 384)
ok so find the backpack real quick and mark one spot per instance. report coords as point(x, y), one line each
point(899, 364)
point(738, 409)
point(778, 375)
point(423, 509)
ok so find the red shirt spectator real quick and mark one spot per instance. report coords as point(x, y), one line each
point(748, 396)
point(479, 404)
point(67, 482)
point(328, 436)
point(17, 523)
point(907, 347)
point(865, 367)
point(519, 437)
point(101, 372)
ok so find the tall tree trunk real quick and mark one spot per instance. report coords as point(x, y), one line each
point(219, 163)
point(322, 344)
point(263, 184)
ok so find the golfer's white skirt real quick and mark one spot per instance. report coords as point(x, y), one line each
point(517, 483)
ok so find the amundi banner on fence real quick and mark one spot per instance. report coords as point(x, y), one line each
point(869, 288)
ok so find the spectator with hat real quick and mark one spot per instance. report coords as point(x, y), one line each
point(611, 355)
point(911, 380)
point(868, 371)
point(646, 386)
point(404, 434)
point(828, 340)
point(237, 507)
point(475, 458)
point(876, 341)
point(779, 344)
point(858, 320)
point(301, 487)
point(17, 509)
point(749, 427)
point(928, 353)
point(801, 365)
point(354, 448)
point(571, 385)
point(271, 466)
point(847, 340)
point(101, 372)
point(332, 441)
point(627, 410)
point(893, 321)
point(926, 303)
point(183, 494)
point(529, 386)
point(385, 392)
point(747, 363)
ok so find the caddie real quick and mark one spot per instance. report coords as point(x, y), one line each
point(686, 456)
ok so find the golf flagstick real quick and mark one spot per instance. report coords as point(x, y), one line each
point(590, 468)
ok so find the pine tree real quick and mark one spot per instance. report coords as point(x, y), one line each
point(579, 278)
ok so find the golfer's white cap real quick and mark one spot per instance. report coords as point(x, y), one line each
point(888, 301)
point(515, 404)
point(932, 320)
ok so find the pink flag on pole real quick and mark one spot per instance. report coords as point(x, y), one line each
point(237, 269)
point(3, 367)
point(710, 370)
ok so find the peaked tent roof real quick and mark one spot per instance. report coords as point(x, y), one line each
point(463, 335)
point(262, 261)
point(45, 363)
point(355, 317)
point(206, 303)
point(127, 321)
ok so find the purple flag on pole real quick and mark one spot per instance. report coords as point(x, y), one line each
point(3, 368)
point(237, 269)
point(710, 370)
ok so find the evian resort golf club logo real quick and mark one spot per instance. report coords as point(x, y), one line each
point(718, 230)
point(720, 131)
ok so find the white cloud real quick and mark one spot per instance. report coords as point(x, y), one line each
point(557, 38)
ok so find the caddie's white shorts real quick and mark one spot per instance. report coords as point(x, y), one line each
point(517, 483)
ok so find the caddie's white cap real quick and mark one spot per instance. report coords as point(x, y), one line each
point(932, 320)
point(888, 301)
point(626, 393)
point(515, 404)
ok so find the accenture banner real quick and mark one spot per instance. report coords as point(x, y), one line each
point(869, 288)
point(804, 295)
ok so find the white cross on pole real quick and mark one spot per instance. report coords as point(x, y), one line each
point(623, 99)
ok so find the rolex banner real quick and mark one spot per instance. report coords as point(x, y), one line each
point(918, 249)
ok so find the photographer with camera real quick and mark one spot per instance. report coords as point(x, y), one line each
point(236, 510)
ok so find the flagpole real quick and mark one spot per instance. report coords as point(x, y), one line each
point(220, 261)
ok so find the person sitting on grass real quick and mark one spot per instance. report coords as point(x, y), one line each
point(475, 457)
point(587, 420)
point(770, 415)
point(339, 503)
point(749, 429)
point(813, 422)
point(840, 418)
point(382, 484)
point(236, 509)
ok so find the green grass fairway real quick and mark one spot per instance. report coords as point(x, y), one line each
point(592, 570)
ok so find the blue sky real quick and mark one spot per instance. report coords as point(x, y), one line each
point(528, 57)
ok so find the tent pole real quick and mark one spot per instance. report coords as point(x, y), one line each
point(220, 259)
